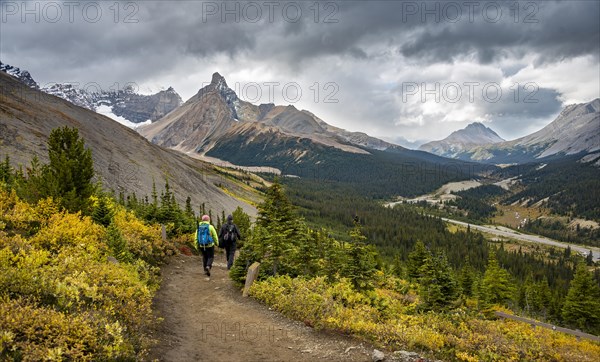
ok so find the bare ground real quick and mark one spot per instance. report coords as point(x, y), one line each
point(207, 319)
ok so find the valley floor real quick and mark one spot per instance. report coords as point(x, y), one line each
point(506, 232)
point(209, 320)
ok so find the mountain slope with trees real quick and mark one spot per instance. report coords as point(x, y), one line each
point(124, 161)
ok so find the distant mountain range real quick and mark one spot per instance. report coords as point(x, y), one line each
point(123, 105)
point(474, 135)
point(576, 131)
point(216, 113)
point(123, 160)
point(216, 124)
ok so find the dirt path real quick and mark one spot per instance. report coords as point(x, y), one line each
point(209, 320)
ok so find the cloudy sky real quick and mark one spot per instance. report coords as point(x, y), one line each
point(394, 69)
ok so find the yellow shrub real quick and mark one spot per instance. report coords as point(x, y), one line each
point(382, 317)
point(72, 231)
point(60, 298)
point(143, 241)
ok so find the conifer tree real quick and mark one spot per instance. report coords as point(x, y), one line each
point(38, 184)
point(189, 211)
point(242, 220)
point(102, 213)
point(276, 236)
point(6, 174)
point(496, 285)
point(582, 305)
point(361, 265)
point(416, 259)
point(589, 259)
point(117, 244)
point(72, 168)
point(437, 287)
point(467, 279)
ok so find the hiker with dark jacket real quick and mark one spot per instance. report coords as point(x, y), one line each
point(206, 239)
point(228, 237)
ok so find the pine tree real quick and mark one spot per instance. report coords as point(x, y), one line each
point(38, 184)
point(582, 305)
point(168, 211)
point(437, 287)
point(118, 245)
point(416, 259)
point(496, 286)
point(189, 211)
point(242, 220)
point(361, 265)
point(152, 208)
point(467, 279)
point(589, 259)
point(6, 172)
point(72, 168)
point(277, 216)
point(102, 213)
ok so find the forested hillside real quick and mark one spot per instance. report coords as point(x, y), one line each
point(423, 299)
point(572, 188)
point(396, 231)
point(377, 174)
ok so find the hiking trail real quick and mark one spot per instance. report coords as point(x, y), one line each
point(207, 319)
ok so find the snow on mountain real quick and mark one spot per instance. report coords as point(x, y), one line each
point(107, 111)
point(73, 94)
point(21, 75)
point(475, 134)
point(124, 104)
point(575, 131)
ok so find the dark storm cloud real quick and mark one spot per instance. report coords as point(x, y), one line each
point(356, 44)
point(553, 30)
point(529, 108)
point(291, 33)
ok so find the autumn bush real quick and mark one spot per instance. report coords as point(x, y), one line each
point(389, 317)
point(64, 293)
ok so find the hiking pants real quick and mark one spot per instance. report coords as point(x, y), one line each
point(229, 254)
point(208, 254)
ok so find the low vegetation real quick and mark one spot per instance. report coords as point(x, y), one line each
point(77, 270)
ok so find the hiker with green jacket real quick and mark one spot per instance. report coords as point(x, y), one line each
point(206, 239)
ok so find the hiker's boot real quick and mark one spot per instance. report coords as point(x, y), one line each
point(208, 271)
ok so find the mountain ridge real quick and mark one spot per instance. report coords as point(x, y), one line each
point(576, 130)
point(123, 160)
point(216, 111)
point(475, 134)
point(122, 103)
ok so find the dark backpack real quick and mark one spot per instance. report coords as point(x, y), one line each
point(203, 236)
point(230, 235)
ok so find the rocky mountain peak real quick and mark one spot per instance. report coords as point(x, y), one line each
point(219, 84)
point(475, 134)
point(20, 74)
point(218, 81)
point(125, 106)
point(476, 125)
